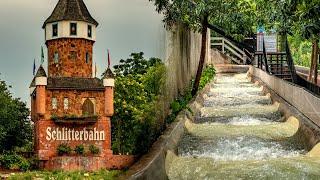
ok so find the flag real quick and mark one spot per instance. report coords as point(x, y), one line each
point(109, 60)
point(42, 55)
point(34, 67)
point(95, 70)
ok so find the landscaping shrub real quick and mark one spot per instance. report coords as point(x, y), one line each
point(94, 149)
point(14, 162)
point(64, 149)
point(79, 149)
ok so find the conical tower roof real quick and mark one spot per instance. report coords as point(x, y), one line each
point(71, 10)
point(108, 74)
point(41, 72)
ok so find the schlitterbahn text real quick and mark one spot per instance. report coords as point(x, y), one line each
point(67, 134)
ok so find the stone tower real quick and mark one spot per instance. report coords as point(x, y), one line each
point(70, 106)
point(70, 33)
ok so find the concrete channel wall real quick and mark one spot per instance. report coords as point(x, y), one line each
point(299, 97)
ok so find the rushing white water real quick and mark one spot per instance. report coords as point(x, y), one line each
point(236, 101)
point(246, 121)
point(240, 134)
point(235, 149)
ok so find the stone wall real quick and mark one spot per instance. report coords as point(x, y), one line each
point(182, 54)
point(75, 99)
point(72, 55)
point(47, 148)
point(89, 163)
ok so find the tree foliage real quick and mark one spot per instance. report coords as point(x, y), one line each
point(139, 85)
point(233, 16)
point(239, 18)
point(15, 127)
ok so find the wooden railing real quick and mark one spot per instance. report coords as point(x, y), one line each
point(238, 56)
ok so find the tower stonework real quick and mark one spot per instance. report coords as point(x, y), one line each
point(74, 57)
point(68, 105)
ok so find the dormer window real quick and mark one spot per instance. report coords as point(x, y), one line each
point(73, 29)
point(54, 30)
point(89, 31)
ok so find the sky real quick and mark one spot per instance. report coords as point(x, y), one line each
point(125, 26)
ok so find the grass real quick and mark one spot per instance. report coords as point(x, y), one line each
point(61, 175)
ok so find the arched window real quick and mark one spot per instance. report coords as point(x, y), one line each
point(88, 107)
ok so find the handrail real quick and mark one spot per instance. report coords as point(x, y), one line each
point(226, 44)
point(265, 57)
point(291, 63)
point(249, 51)
point(225, 35)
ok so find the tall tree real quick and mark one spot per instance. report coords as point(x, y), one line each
point(300, 17)
point(310, 21)
point(15, 128)
point(199, 15)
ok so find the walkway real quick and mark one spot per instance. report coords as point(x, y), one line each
point(241, 134)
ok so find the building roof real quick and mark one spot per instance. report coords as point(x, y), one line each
point(73, 83)
point(41, 72)
point(70, 10)
point(108, 74)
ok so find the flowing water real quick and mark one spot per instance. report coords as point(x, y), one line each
point(240, 134)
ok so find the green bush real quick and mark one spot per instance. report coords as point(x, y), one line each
point(207, 76)
point(94, 149)
point(180, 104)
point(14, 162)
point(64, 149)
point(63, 175)
point(79, 149)
point(182, 101)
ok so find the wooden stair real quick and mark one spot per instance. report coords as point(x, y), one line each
point(277, 64)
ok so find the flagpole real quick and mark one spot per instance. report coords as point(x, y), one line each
point(34, 67)
point(95, 70)
point(109, 59)
point(42, 56)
